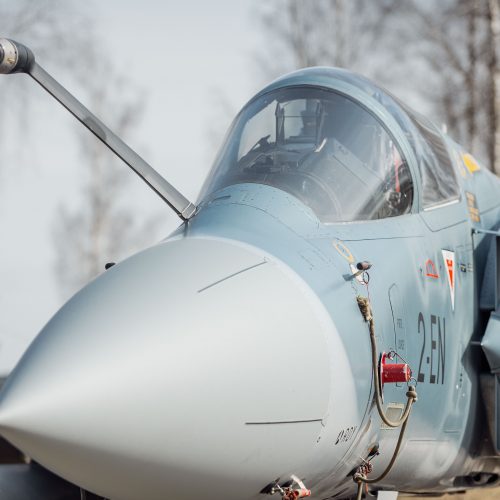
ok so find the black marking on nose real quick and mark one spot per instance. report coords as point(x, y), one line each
point(231, 276)
point(280, 422)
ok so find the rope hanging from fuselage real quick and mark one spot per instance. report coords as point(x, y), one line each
point(360, 476)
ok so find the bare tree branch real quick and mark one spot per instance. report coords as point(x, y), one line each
point(103, 228)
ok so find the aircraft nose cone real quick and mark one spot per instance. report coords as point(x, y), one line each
point(174, 374)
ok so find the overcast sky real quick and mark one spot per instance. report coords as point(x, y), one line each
point(188, 58)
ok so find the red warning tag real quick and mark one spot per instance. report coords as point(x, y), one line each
point(449, 264)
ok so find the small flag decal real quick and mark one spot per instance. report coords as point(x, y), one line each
point(449, 265)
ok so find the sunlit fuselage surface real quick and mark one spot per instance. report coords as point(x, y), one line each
point(233, 355)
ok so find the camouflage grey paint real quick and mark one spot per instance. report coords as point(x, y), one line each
point(233, 353)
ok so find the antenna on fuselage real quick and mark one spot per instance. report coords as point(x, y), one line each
point(16, 58)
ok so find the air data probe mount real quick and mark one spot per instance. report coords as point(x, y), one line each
point(16, 58)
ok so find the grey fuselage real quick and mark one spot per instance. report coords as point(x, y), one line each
point(233, 354)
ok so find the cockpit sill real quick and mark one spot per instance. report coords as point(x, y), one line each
point(254, 195)
point(443, 205)
point(292, 213)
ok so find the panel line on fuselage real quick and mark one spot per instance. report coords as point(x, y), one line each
point(307, 421)
point(231, 276)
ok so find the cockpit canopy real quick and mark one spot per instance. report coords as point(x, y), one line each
point(327, 149)
point(321, 147)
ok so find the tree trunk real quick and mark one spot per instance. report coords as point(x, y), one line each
point(340, 33)
point(298, 38)
point(471, 76)
point(494, 75)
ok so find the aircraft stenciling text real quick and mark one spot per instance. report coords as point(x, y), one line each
point(345, 435)
point(433, 354)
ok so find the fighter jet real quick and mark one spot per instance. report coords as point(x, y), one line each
point(323, 323)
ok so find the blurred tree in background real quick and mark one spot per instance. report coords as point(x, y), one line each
point(443, 54)
point(55, 27)
point(457, 42)
point(101, 225)
point(301, 33)
point(58, 29)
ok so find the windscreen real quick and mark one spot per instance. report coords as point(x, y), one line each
point(321, 147)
